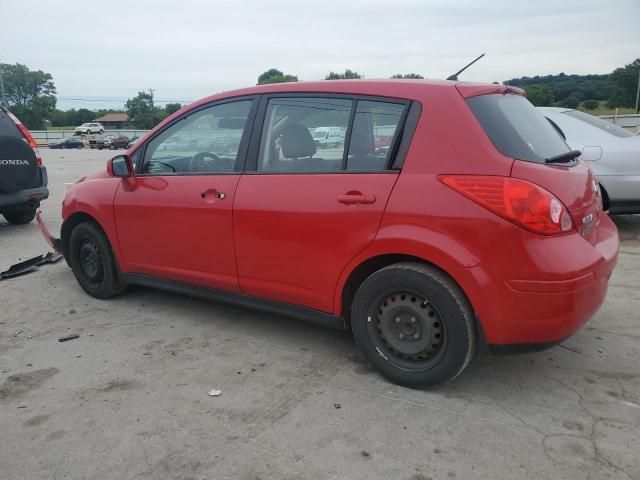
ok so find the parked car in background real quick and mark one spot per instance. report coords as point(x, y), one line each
point(89, 129)
point(23, 178)
point(612, 152)
point(486, 230)
point(327, 137)
point(113, 142)
point(132, 142)
point(70, 142)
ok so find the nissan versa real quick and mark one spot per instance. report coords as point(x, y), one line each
point(477, 224)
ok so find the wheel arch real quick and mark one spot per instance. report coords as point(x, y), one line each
point(70, 223)
point(606, 202)
point(358, 274)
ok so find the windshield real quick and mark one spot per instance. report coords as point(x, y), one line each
point(516, 128)
point(601, 124)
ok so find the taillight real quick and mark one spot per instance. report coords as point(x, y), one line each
point(521, 202)
point(27, 136)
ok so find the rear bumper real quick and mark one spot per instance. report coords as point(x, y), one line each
point(28, 197)
point(535, 292)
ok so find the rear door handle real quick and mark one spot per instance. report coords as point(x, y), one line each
point(354, 197)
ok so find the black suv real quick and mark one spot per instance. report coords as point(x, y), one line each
point(23, 178)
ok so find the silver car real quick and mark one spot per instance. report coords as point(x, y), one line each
point(612, 152)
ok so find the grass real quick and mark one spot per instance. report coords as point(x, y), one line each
point(603, 110)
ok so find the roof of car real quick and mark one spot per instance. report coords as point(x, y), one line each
point(397, 88)
point(556, 109)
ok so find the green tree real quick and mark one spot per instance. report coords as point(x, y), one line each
point(624, 83)
point(540, 95)
point(171, 108)
point(142, 111)
point(347, 75)
point(30, 94)
point(590, 104)
point(274, 75)
point(570, 102)
point(416, 76)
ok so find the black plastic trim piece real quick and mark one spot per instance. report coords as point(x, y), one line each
point(410, 124)
point(307, 314)
point(520, 348)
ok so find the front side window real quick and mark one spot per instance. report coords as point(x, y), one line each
point(516, 128)
point(374, 130)
point(207, 141)
point(304, 134)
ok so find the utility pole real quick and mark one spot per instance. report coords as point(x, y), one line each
point(638, 94)
point(3, 100)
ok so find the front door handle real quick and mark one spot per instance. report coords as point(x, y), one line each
point(354, 197)
point(213, 194)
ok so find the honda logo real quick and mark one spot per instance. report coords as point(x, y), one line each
point(23, 163)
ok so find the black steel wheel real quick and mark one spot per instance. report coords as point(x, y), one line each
point(92, 261)
point(413, 324)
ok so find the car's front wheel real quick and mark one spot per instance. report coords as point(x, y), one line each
point(413, 324)
point(20, 217)
point(92, 261)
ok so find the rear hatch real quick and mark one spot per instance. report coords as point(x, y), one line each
point(520, 131)
point(19, 158)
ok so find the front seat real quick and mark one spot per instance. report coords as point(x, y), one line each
point(298, 148)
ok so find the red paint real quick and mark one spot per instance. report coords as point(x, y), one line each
point(297, 238)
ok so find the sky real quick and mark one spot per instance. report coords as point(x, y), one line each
point(105, 52)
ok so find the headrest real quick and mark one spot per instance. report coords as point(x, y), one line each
point(297, 142)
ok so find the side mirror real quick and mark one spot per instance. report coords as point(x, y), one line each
point(120, 166)
point(592, 154)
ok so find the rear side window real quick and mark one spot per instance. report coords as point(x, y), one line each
point(304, 135)
point(516, 128)
point(601, 124)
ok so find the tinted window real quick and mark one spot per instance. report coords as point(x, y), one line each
point(304, 135)
point(374, 129)
point(516, 128)
point(601, 124)
point(206, 141)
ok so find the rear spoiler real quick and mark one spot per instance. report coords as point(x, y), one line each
point(468, 90)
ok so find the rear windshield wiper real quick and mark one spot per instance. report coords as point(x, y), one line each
point(564, 157)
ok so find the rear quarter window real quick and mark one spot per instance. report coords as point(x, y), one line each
point(516, 128)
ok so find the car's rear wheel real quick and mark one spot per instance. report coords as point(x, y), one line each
point(20, 217)
point(413, 324)
point(101, 131)
point(92, 261)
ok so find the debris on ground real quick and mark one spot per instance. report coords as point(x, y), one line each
point(337, 406)
point(73, 336)
point(29, 265)
point(215, 393)
point(571, 349)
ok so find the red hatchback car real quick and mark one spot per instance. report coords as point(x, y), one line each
point(476, 225)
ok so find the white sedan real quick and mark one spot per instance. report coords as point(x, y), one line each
point(611, 151)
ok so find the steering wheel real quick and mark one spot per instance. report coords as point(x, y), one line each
point(197, 163)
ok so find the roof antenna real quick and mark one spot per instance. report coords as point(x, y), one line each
point(455, 75)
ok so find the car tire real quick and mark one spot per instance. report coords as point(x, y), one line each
point(414, 325)
point(101, 131)
point(93, 262)
point(20, 217)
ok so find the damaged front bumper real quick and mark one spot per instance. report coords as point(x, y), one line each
point(55, 243)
